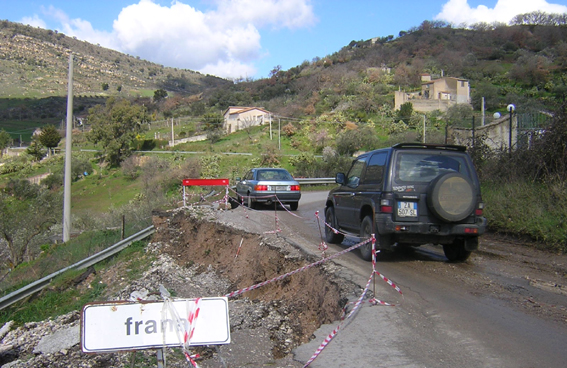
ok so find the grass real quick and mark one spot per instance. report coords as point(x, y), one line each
point(62, 296)
point(97, 193)
point(58, 256)
point(59, 300)
point(535, 210)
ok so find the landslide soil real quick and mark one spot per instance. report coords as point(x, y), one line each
point(307, 299)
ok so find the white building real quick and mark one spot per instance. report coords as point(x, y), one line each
point(240, 117)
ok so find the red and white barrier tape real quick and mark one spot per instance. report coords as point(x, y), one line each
point(186, 326)
point(238, 250)
point(277, 225)
point(281, 277)
point(336, 330)
point(285, 208)
point(193, 313)
point(357, 305)
point(323, 247)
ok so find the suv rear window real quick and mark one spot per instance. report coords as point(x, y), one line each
point(424, 167)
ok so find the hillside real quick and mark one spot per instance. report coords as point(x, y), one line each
point(521, 64)
point(34, 63)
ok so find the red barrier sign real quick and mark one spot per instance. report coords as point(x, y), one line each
point(204, 182)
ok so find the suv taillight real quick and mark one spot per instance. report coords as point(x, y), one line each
point(479, 209)
point(386, 206)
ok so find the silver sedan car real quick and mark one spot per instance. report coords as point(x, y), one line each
point(267, 186)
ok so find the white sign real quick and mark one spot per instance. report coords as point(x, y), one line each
point(108, 327)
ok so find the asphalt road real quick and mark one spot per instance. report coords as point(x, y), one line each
point(482, 313)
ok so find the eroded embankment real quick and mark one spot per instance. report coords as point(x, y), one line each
point(309, 298)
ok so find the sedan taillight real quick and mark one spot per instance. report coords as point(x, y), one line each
point(294, 188)
point(261, 188)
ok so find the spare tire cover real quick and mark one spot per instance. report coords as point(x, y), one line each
point(451, 197)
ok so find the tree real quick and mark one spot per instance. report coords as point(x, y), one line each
point(531, 70)
point(350, 141)
point(213, 121)
point(36, 150)
point(550, 151)
point(213, 126)
point(27, 212)
point(405, 112)
point(491, 95)
point(247, 124)
point(49, 137)
point(115, 126)
point(5, 141)
point(159, 94)
point(458, 114)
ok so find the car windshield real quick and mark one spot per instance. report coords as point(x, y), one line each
point(424, 167)
point(274, 175)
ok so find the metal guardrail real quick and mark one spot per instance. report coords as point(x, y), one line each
point(38, 285)
point(315, 181)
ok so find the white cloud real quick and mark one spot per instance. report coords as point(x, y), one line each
point(291, 14)
point(230, 69)
point(459, 11)
point(224, 41)
point(33, 21)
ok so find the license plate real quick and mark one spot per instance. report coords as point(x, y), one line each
point(279, 187)
point(407, 209)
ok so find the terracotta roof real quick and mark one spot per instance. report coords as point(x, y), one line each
point(244, 109)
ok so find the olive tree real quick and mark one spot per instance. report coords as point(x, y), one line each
point(5, 141)
point(115, 126)
point(27, 212)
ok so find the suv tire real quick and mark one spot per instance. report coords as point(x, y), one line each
point(366, 231)
point(330, 235)
point(454, 207)
point(456, 252)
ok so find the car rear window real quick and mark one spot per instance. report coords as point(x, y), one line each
point(274, 175)
point(424, 167)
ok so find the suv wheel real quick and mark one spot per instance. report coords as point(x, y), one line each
point(456, 252)
point(330, 235)
point(366, 231)
point(451, 197)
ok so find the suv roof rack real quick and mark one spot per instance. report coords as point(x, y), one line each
point(450, 147)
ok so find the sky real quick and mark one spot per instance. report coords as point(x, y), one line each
point(249, 38)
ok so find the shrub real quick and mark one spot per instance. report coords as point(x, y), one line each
point(80, 167)
point(53, 181)
point(289, 129)
point(130, 167)
point(350, 141)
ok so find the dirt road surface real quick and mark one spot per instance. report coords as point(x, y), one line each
point(505, 307)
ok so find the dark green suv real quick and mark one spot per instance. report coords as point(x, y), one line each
point(407, 195)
